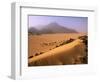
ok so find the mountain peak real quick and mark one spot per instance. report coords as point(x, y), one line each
point(54, 24)
point(53, 28)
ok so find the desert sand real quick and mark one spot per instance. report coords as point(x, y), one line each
point(54, 49)
point(42, 43)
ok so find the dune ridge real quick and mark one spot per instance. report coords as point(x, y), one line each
point(65, 54)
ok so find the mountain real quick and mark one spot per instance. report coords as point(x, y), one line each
point(56, 28)
point(52, 28)
point(32, 30)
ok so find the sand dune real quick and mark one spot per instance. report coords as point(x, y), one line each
point(43, 43)
point(65, 54)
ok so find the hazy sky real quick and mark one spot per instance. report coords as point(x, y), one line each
point(80, 24)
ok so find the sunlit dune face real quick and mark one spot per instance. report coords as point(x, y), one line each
point(52, 50)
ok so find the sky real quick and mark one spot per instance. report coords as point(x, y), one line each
point(80, 24)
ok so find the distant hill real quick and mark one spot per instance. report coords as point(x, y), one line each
point(51, 28)
point(33, 30)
